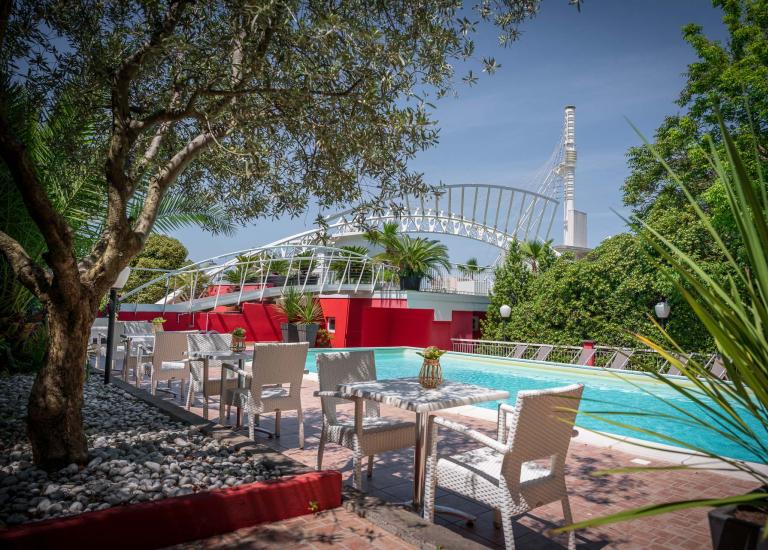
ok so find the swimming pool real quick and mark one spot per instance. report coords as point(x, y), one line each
point(602, 391)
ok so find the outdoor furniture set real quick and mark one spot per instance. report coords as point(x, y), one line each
point(520, 469)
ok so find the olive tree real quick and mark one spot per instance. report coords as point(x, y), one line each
point(259, 107)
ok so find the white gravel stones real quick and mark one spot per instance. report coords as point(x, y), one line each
point(137, 454)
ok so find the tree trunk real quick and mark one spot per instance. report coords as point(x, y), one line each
point(55, 418)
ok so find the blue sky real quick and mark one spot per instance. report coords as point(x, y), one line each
point(615, 59)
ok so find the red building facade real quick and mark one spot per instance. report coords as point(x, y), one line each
point(417, 319)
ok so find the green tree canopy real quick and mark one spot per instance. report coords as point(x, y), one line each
point(607, 297)
point(160, 252)
point(730, 77)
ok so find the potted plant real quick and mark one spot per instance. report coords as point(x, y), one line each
point(431, 374)
point(308, 319)
point(323, 338)
point(238, 339)
point(414, 258)
point(417, 259)
point(734, 313)
point(157, 324)
point(288, 305)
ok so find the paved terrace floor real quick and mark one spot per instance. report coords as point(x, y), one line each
point(590, 495)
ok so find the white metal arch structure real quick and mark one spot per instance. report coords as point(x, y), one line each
point(264, 272)
point(492, 214)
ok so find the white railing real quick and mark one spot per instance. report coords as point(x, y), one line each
point(459, 281)
point(266, 273)
point(598, 356)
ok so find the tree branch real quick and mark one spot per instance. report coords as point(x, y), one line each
point(285, 91)
point(123, 133)
point(5, 15)
point(168, 174)
point(52, 225)
point(29, 273)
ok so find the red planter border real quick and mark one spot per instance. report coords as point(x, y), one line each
point(181, 519)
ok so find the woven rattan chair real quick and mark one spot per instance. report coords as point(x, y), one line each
point(367, 434)
point(275, 384)
point(201, 381)
point(134, 338)
point(168, 361)
point(522, 469)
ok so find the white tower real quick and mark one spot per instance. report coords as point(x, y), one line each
point(574, 222)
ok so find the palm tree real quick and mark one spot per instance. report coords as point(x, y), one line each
point(386, 238)
point(416, 258)
point(471, 267)
point(535, 252)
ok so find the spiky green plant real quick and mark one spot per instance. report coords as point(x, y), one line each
point(289, 304)
point(245, 271)
point(309, 310)
point(735, 312)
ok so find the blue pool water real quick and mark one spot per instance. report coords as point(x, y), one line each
point(602, 392)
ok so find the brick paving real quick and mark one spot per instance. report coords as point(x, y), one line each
point(337, 529)
point(590, 495)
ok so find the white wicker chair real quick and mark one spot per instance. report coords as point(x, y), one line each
point(168, 360)
point(201, 381)
point(274, 365)
point(365, 435)
point(508, 473)
point(133, 335)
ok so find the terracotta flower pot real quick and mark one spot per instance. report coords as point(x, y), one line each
point(431, 374)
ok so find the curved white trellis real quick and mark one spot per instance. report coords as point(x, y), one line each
point(263, 272)
point(492, 214)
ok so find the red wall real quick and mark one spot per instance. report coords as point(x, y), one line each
point(360, 322)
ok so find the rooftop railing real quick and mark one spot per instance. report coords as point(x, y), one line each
point(459, 281)
point(598, 356)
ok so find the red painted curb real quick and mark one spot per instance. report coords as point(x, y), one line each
point(181, 519)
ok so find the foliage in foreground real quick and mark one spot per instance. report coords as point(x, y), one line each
point(735, 313)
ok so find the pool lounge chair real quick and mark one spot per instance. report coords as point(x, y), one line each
point(543, 353)
point(521, 469)
point(585, 356)
point(716, 366)
point(620, 359)
point(367, 436)
point(518, 351)
point(673, 370)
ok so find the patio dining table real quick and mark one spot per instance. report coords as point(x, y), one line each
point(409, 394)
point(228, 358)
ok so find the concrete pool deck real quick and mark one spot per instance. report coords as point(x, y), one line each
point(591, 496)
